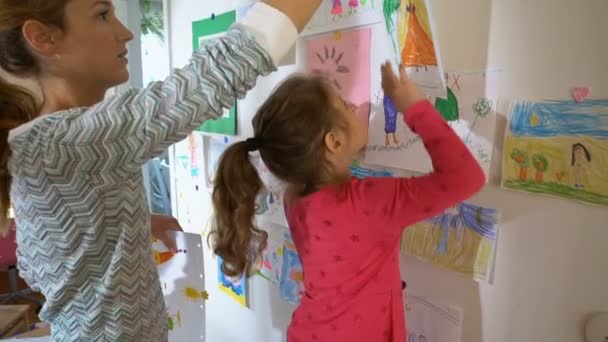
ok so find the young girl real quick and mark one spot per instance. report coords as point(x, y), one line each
point(346, 231)
point(83, 225)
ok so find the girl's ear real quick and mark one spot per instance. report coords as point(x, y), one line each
point(334, 141)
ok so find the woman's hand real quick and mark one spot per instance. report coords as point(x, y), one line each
point(401, 90)
point(162, 226)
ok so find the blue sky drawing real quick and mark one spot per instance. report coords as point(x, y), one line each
point(561, 118)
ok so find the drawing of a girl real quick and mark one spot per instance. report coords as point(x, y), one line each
point(353, 4)
point(390, 119)
point(580, 158)
point(336, 9)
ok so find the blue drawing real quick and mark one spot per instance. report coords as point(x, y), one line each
point(291, 284)
point(560, 118)
point(483, 221)
point(362, 172)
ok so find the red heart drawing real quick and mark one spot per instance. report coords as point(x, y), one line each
point(580, 94)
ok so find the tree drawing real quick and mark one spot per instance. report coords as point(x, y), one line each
point(481, 108)
point(448, 108)
point(541, 164)
point(521, 159)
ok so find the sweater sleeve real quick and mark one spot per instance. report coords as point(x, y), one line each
point(395, 203)
point(129, 129)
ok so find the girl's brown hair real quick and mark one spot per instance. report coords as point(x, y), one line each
point(17, 104)
point(289, 131)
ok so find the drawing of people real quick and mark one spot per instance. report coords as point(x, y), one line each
point(580, 158)
point(390, 120)
point(353, 4)
point(337, 8)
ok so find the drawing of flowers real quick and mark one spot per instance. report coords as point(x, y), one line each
point(481, 108)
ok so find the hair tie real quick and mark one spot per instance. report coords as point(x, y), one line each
point(253, 144)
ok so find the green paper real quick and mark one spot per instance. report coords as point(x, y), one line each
point(448, 108)
point(204, 31)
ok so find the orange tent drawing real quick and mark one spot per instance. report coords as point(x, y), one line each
point(415, 33)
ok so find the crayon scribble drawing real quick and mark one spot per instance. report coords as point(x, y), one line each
point(558, 148)
point(335, 15)
point(235, 288)
point(462, 239)
point(183, 283)
point(469, 108)
point(344, 58)
point(409, 25)
point(291, 284)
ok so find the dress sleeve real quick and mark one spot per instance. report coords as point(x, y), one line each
point(395, 203)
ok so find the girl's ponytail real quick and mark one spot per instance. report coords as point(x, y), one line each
point(234, 236)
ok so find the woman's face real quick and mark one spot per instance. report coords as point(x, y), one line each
point(94, 44)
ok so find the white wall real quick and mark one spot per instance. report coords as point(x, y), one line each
point(552, 262)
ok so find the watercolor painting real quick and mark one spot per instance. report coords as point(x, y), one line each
point(235, 288)
point(291, 284)
point(187, 172)
point(558, 148)
point(269, 202)
point(462, 239)
point(214, 146)
point(334, 15)
point(183, 284)
point(431, 321)
point(410, 27)
point(271, 263)
point(469, 108)
point(344, 58)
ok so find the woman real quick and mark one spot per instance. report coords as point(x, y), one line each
point(73, 162)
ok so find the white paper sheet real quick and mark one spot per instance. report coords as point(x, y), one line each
point(429, 321)
point(183, 283)
point(476, 126)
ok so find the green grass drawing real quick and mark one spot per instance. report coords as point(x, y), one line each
point(557, 189)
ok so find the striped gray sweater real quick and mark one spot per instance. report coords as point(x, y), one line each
point(83, 224)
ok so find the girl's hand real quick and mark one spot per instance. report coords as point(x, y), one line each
point(161, 226)
point(400, 90)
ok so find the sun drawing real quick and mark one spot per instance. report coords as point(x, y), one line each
point(331, 64)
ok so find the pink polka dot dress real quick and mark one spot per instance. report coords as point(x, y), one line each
point(348, 239)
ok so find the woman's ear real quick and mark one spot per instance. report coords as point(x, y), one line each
point(42, 39)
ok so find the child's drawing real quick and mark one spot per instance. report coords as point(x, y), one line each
point(271, 263)
point(345, 60)
point(462, 239)
point(469, 109)
point(409, 25)
point(269, 202)
point(291, 285)
point(183, 283)
point(335, 15)
point(359, 171)
point(558, 148)
point(390, 120)
point(430, 321)
point(235, 288)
